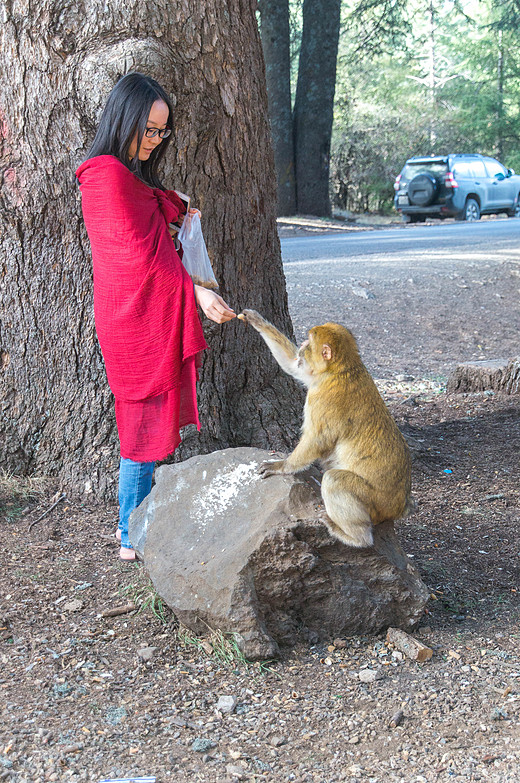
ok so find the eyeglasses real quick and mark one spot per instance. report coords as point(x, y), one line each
point(162, 133)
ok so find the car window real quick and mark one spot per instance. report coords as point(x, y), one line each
point(478, 169)
point(462, 168)
point(494, 167)
point(436, 168)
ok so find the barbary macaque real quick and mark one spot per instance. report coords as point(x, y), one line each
point(347, 427)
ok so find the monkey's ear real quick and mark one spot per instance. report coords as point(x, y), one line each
point(326, 352)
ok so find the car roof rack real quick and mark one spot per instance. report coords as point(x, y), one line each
point(428, 159)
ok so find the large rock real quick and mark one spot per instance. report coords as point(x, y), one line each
point(231, 551)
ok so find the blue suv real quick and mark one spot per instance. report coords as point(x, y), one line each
point(460, 186)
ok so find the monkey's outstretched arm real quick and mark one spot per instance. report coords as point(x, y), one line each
point(283, 350)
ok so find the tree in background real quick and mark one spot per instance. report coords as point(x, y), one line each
point(276, 47)
point(56, 416)
point(314, 104)
point(305, 132)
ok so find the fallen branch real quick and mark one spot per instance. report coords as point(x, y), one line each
point(408, 645)
point(118, 610)
point(61, 497)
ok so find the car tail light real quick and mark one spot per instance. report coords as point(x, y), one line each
point(397, 181)
point(450, 181)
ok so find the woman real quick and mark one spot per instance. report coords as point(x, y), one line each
point(145, 304)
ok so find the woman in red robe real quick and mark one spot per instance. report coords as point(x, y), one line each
point(145, 304)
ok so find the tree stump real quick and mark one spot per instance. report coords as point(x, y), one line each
point(500, 375)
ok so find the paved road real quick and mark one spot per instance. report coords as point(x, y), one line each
point(420, 299)
point(392, 244)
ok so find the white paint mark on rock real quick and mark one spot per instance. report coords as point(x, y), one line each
point(222, 490)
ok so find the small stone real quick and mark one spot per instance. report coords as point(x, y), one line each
point(340, 644)
point(83, 586)
point(235, 771)
point(362, 292)
point(227, 704)
point(353, 740)
point(202, 745)
point(276, 741)
point(146, 654)
point(60, 689)
point(368, 675)
point(73, 606)
point(72, 749)
point(115, 715)
point(396, 719)
point(498, 714)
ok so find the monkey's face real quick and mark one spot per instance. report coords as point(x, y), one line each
point(331, 347)
point(313, 357)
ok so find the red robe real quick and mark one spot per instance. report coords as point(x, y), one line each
point(144, 305)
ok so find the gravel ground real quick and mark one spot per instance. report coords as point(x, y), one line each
point(87, 697)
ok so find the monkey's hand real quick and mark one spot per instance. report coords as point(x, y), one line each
point(271, 468)
point(255, 319)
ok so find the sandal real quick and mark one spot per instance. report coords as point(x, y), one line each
point(118, 534)
point(127, 554)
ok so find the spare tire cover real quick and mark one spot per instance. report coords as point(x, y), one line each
point(422, 190)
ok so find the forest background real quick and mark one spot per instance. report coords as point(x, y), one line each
point(412, 77)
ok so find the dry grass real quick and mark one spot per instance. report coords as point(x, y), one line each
point(19, 493)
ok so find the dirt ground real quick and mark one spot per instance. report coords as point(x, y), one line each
point(88, 697)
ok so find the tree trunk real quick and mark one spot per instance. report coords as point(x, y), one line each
point(275, 32)
point(432, 75)
point(56, 416)
point(313, 109)
point(499, 144)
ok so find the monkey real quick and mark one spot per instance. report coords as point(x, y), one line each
point(347, 427)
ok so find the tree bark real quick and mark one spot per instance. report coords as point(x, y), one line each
point(56, 415)
point(314, 104)
point(275, 33)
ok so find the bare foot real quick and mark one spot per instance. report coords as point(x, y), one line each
point(127, 554)
point(118, 534)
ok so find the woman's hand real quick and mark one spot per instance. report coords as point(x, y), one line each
point(174, 228)
point(213, 305)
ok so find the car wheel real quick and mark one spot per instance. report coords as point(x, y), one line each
point(414, 218)
point(515, 213)
point(471, 210)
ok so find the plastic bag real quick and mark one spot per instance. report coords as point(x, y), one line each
point(195, 256)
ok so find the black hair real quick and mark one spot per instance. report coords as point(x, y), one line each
point(125, 114)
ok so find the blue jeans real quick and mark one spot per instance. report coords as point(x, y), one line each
point(135, 483)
